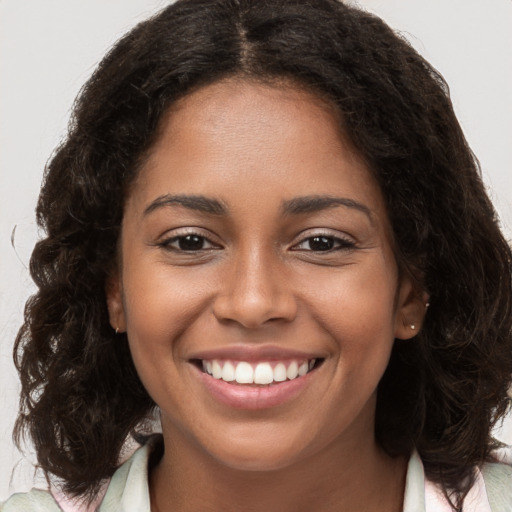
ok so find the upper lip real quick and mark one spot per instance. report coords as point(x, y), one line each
point(254, 353)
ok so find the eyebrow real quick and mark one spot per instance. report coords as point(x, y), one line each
point(295, 206)
point(316, 203)
point(192, 202)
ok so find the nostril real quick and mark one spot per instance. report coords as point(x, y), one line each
point(253, 296)
point(254, 314)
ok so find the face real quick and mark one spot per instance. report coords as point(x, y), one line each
point(257, 282)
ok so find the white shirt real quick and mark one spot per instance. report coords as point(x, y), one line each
point(128, 491)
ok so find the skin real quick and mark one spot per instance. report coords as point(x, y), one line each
point(255, 282)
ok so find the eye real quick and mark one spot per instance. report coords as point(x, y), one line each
point(188, 243)
point(320, 243)
point(324, 243)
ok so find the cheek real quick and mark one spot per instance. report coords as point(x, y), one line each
point(160, 307)
point(160, 303)
point(356, 309)
point(357, 300)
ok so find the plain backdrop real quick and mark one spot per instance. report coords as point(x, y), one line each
point(48, 48)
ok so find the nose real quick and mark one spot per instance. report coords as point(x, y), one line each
point(256, 292)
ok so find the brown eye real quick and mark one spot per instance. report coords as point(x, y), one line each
point(321, 243)
point(190, 242)
point(324, 243)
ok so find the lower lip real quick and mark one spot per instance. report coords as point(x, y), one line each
point(245, 396)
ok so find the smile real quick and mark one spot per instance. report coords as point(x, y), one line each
point(256, 377)
point(262, 373)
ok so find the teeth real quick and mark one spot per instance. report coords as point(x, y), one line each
point(244, 374)
point(228, 372)
point(216, 370)
point(262, 373)
point(303, 369)
point(280, 372)
point(292, 371)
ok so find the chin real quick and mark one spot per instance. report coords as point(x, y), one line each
point(255, 463)
point(257, 455)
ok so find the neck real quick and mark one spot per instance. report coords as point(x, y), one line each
point(340, 478)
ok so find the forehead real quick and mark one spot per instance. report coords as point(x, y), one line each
point(245, 102)
point(238, 135)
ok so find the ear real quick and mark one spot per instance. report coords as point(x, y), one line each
point(411, 308)
point(114, 295)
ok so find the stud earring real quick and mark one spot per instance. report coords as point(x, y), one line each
point(117, 330)
point(427, 305)
point(413, 327)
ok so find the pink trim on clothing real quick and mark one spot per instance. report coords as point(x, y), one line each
point(476, 500)
point(70, 505)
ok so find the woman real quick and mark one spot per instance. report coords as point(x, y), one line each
point(266, 223)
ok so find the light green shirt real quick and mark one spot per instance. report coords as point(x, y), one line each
point(128, 490)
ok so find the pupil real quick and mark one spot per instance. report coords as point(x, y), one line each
point(191, 243)
point(321, 243)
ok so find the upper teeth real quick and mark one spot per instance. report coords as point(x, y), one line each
point(243, 372)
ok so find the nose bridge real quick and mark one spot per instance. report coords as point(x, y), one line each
point(255, 290)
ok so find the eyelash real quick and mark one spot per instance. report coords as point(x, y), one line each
point(167, 244)
point(336, 243)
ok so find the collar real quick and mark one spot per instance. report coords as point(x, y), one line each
point(128, 490)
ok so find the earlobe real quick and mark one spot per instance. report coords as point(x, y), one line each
point(113, 292)
point(411, 309)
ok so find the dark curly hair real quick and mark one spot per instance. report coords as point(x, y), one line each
point(441, 394)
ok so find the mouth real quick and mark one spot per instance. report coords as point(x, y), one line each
point(263, 373)
point(257, 377)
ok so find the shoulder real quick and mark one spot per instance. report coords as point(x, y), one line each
point(34, 501)
point(128, 489)
point(491, 492)
point(498, 483)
